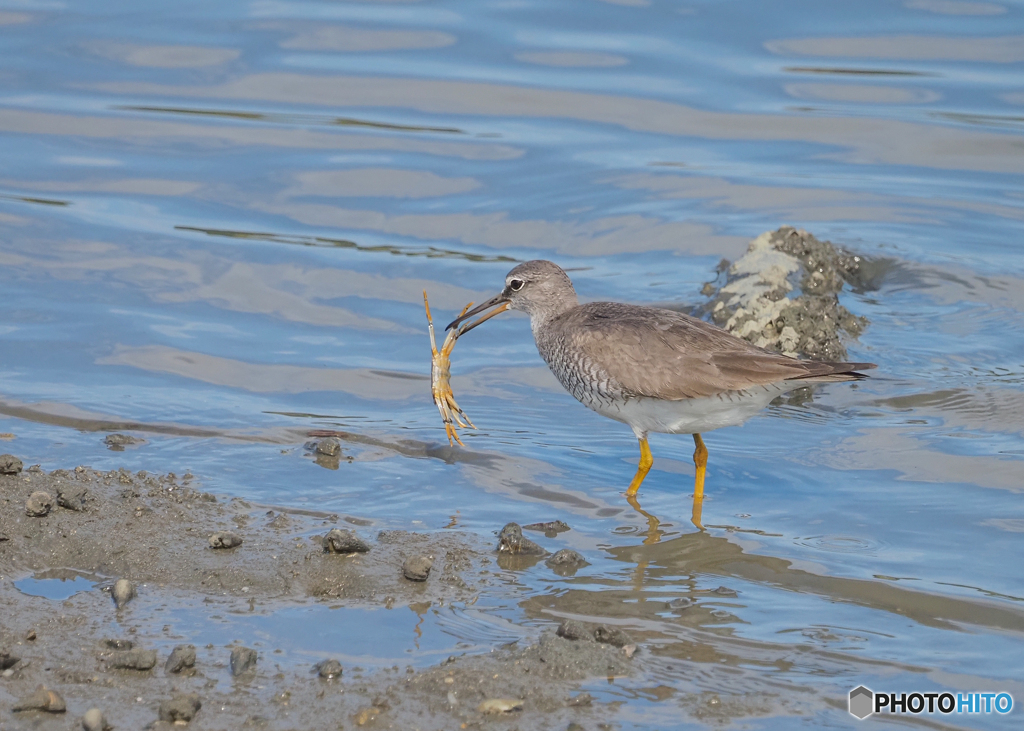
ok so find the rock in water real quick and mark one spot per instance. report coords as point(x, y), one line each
point(43, 699)
point(9, 464)
point(338, 540)
point(123, 592)
point(117, 442)
point(243, 660)
point(417, 568)
point(180, 708)
point(512, 540)
point(38, 504)
point(329, 446)
point(566, 562)
point(182, 657)
point(757, 303)
point(551, 528)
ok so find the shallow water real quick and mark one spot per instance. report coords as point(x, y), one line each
point(219, 219)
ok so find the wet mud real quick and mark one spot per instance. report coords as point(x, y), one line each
point(104, 656)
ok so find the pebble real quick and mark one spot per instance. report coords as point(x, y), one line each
point(123, 592)
point(500, 705)
point(417, 568)
point(511, 540)
point(225, 539)
point(243, 659)
point(339, 540)
point(72, 497)
point(570, 629)
point(329, 447)
point(612, 636)
point(181, 657)
point(93, 720)
point(180, 708)
point(43, 699)
point(134, 659)
point(329, 669)
point(551, 529)
point(38, 504)
point(9, 464)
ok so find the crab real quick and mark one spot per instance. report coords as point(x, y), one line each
point(440, 373)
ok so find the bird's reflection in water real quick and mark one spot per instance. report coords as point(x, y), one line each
point(655, 533)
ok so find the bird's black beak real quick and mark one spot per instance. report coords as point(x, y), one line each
point(500, 302)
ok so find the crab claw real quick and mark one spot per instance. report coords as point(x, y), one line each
point(440, 379)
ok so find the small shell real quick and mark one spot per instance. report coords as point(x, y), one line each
point(500, 705)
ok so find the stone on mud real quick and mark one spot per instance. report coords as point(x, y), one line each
point(417, 568)
point(43, 699)
point(570, 629)
point(339, 540)
point(93, 720)
point(38, 504)
point(180, 708)
point(329, 669)
point(243, 660)
point(181, 658)
point(225, 539)
point(9, 464)
point(123, 592)
point(612, 636)
point(72, 497)
point(133, 659)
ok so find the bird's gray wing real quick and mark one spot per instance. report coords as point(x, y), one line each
point(664, 354)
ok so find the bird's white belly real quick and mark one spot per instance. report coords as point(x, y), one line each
point(688, 416)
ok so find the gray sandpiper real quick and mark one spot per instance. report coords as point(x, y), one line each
point(654, 369)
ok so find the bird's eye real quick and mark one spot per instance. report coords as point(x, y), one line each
point(515, 284)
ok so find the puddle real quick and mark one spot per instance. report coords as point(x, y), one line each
point(57, 588)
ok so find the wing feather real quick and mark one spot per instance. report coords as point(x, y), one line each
point(659, 353)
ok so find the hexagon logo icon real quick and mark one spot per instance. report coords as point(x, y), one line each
point(862, 702)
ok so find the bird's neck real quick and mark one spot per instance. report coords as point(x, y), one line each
point(555, 307)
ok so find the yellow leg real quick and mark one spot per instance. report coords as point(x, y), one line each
point(646, 460)
point(700, 461)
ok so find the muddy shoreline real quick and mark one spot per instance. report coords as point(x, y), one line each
point(146, 544)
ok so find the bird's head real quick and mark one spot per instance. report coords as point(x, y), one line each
point(539, 288)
